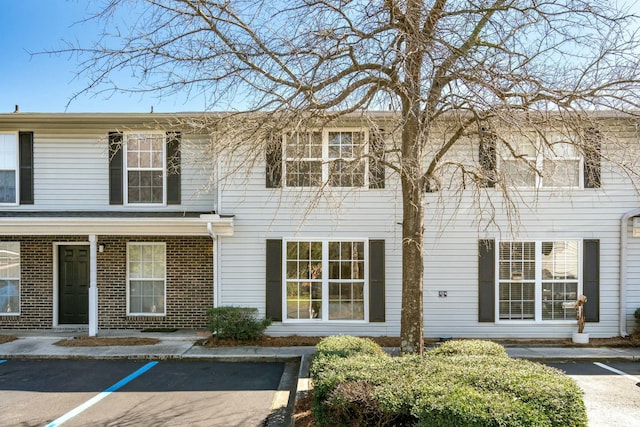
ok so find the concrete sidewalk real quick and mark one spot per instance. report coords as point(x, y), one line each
point(181, 345)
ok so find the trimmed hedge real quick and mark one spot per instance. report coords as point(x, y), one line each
point(345, 346)
point(469, 348)
point(462, 383)
point(239, 323)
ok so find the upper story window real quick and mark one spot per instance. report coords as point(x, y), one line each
point(336, 158)
point(145, 167)
point(536, 278)
point(555, 163)
point(8, 168)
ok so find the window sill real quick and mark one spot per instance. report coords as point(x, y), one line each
point(145, 315)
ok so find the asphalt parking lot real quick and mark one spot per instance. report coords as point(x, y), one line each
point(611, 391)
point(140, 393)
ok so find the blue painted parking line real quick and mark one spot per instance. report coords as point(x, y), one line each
point(2, 361)
point(89, 403)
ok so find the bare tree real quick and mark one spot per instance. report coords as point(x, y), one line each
point(462, 70)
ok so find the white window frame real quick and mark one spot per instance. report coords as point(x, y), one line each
point(18, 279)
point(324, 318)
point(16, 169)
point(325, 160)
point(129, 279)
point(543, 153)
point(538, 281)
point(126, 167)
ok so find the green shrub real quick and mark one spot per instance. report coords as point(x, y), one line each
point(477, 385)
point(345, 346)
point(469, 348)
point(239, 323)
point(636, 314)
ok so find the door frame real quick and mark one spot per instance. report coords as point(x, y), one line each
point(56, 286)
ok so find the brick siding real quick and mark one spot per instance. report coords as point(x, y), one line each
point(189, 282)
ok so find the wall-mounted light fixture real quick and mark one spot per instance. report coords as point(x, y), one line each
point(100, 248)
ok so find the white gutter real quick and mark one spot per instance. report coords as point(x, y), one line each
point(624, 233)
point(109, 226)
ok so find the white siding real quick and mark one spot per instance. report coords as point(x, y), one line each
point(262, 213)
point(71, 172)
point(454, 223)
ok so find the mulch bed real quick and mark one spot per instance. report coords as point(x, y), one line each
point(297, 340)
point(7, 338)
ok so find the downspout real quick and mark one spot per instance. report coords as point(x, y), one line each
point(93, 285)
point(624, 233)
point(214, 237)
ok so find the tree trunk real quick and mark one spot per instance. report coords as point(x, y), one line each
point(411, 176)
point(412, 323)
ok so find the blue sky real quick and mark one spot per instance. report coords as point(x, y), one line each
point(44, 83)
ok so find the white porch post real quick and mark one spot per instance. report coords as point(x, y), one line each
point(93, 286)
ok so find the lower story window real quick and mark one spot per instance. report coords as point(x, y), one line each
point(325, 280)
point(146, 278)
point(536, 279)
point(9, 278)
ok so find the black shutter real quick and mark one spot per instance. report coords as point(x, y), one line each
point(591, 279)
point(273, 159)
point(376, 161)
point(25, 148)
point(274, 280)
point(173, 168)
point(115, 168)
point(486, 281)
point(592, 158)
point(376, 281)
point(487, 155)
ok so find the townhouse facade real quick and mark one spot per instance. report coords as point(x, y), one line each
point(116, 221)
point(103, 225)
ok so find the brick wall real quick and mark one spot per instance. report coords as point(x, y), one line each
point(189, 285)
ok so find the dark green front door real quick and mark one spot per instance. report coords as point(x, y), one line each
point(73, 284)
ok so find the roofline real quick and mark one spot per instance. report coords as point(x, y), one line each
point(137, 118)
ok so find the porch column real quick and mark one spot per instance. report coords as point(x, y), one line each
point(93, 286)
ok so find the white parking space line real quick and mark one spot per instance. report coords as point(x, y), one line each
point(89, 403)
point(617, 371)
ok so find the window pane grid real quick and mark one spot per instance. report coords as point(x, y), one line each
point(325, 275)
point(9, 278)
point(145, 168)
point(147, 269)
point(517, 301)
point(558, 161)
point(536, 279)
point(304, 280)
point(335, 158)
point(304, 173)
point(554, 295)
